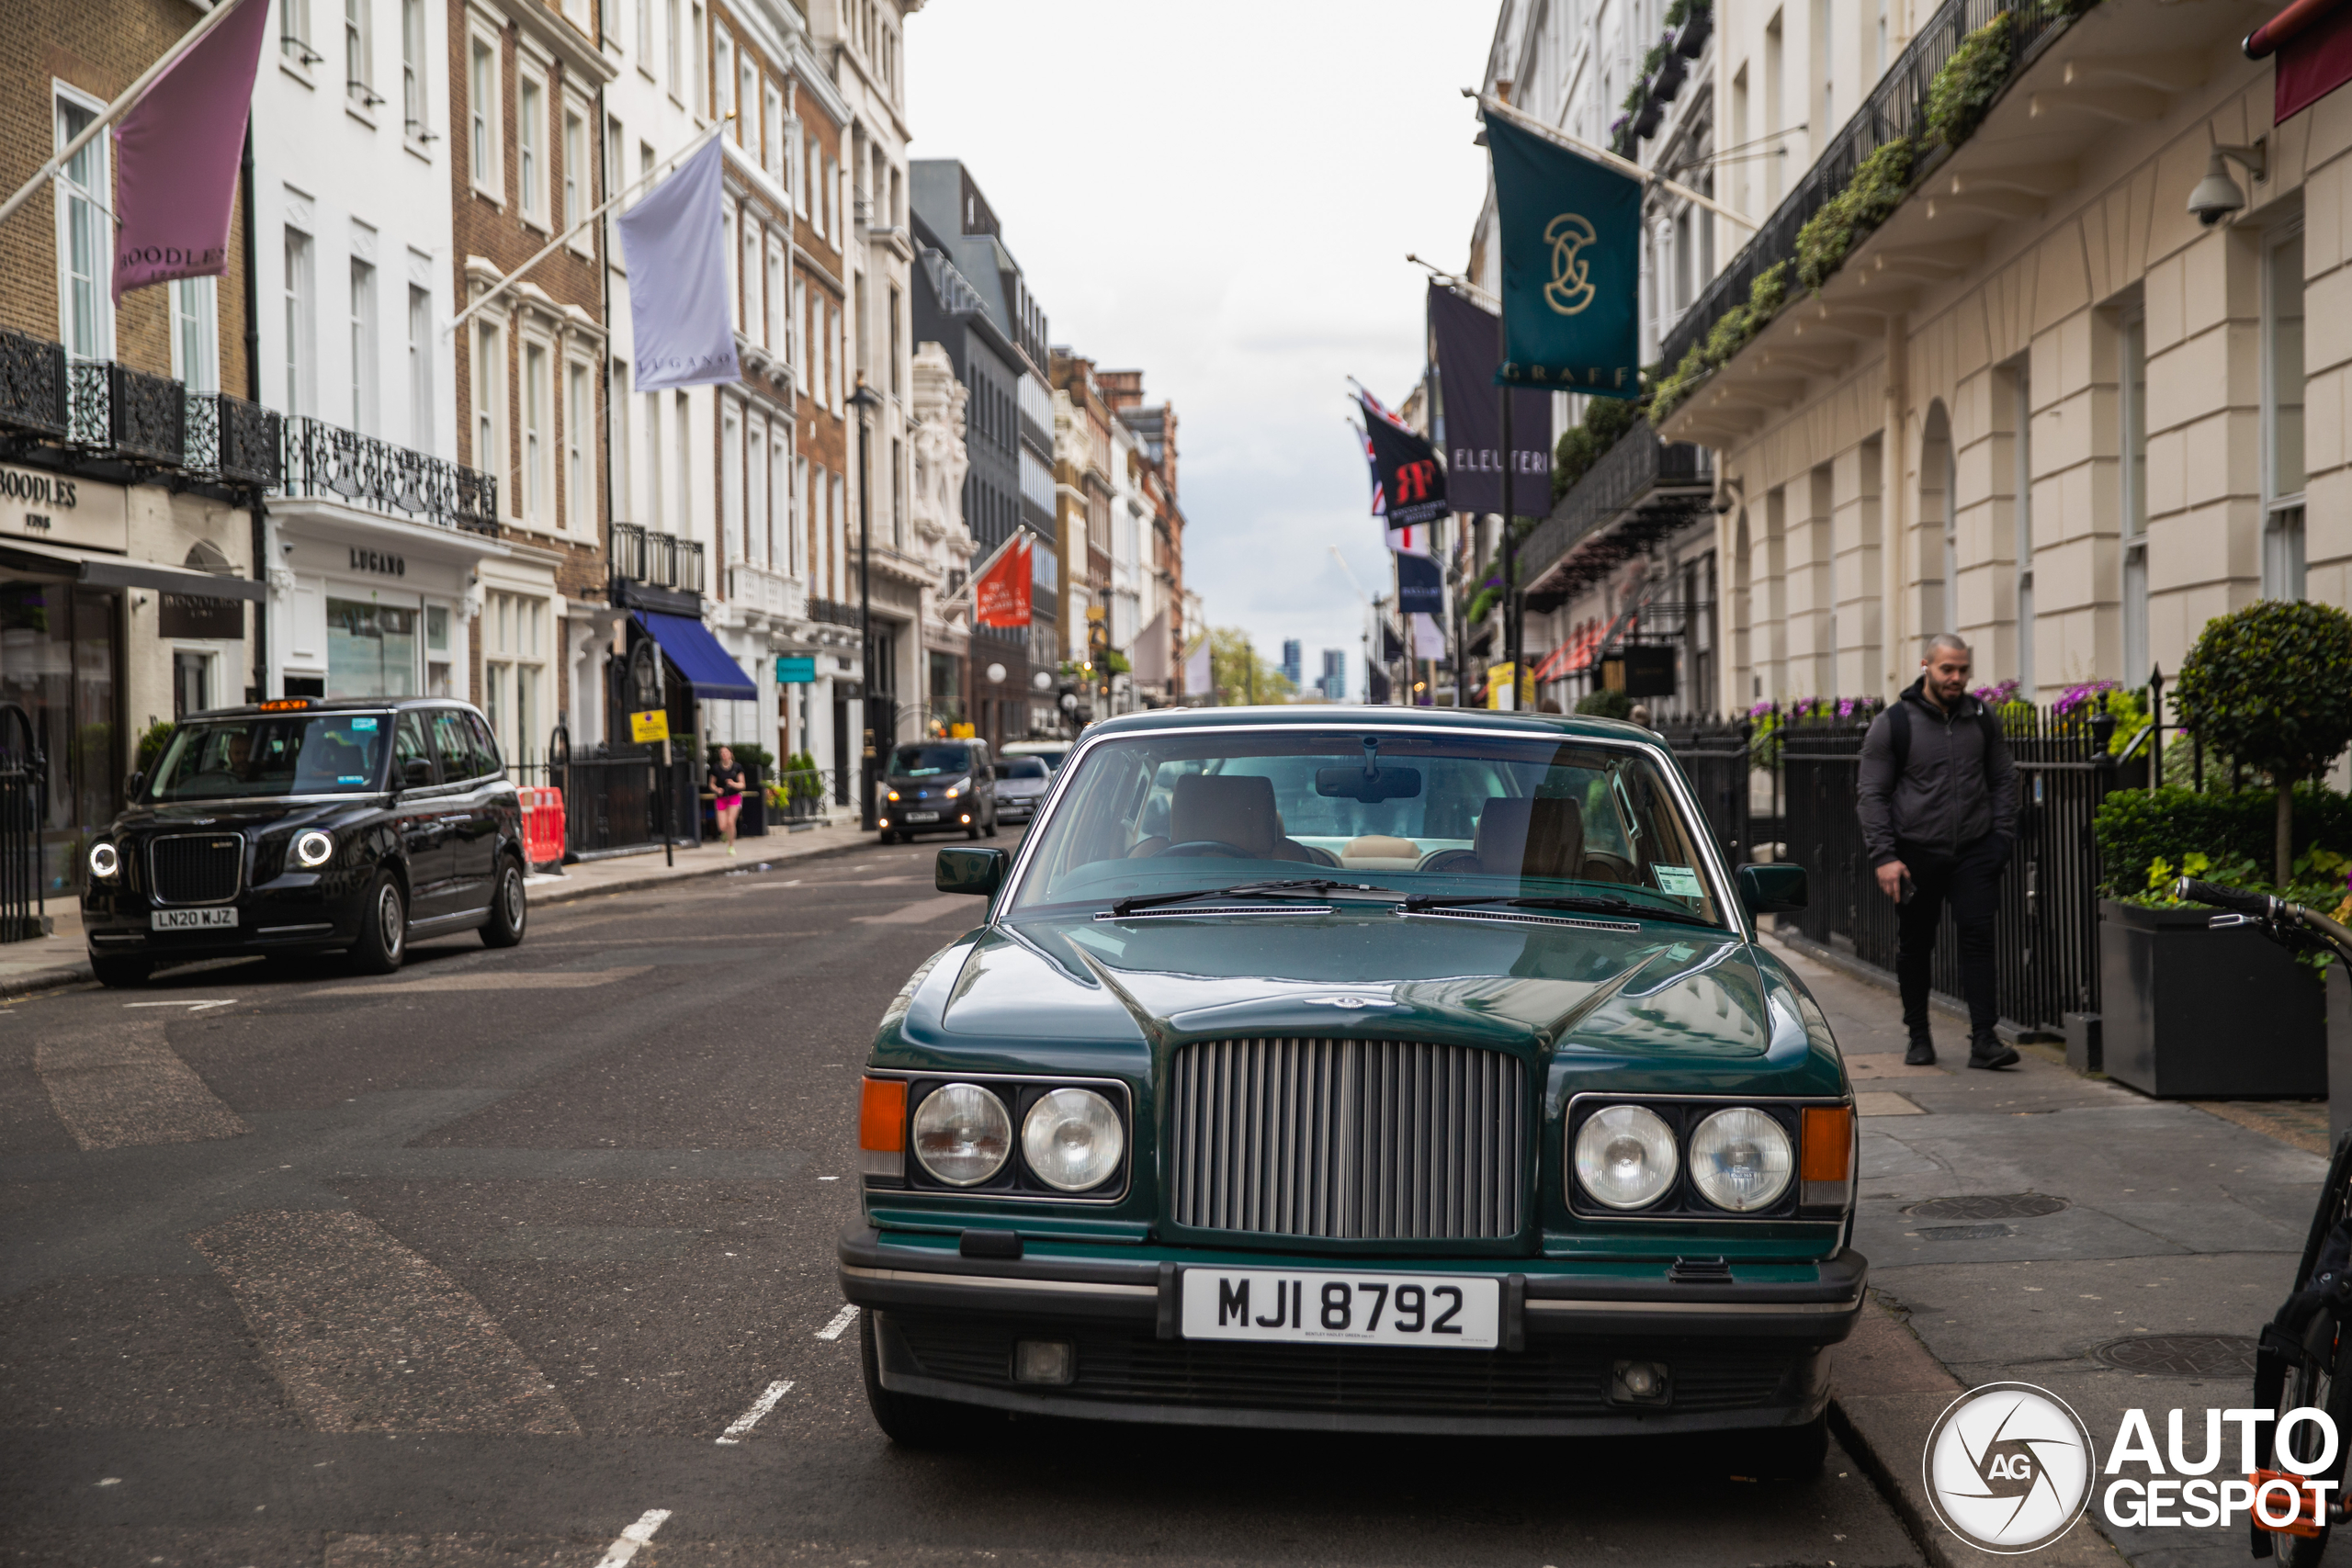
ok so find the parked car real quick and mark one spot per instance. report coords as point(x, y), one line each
point(1359, 1070)
point(931, 786)
point(301, 827)
point(1021, 786)
point(1053, 753)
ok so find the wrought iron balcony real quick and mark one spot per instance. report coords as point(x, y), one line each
point(232, 440)
point(834, 613)
point(1640, 490)
point(32, 386)
point(656, 559)
point(128, 413)
point(327, 460)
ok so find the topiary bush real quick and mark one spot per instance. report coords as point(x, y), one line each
point(1582, 445)
point(1969, 82)
point(2271, 686)
point(2137, 828)
point(1847, 219)
point(1606, 704)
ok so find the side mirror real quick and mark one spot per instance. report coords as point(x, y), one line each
point(966, 869)
point(134, 784)
point(417, 774)
point(1776, 889)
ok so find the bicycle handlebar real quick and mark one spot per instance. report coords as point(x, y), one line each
point(2261, 906)
point(2273, 915)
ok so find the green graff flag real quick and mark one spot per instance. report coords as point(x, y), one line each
point(1571, 234)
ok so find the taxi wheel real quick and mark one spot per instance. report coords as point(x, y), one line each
point(908, 1420)
point(383, 927)
point(509, 907)
point(117, 973)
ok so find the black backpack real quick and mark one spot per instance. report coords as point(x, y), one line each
point(1898, 719)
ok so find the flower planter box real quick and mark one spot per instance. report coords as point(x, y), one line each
point(1695, 28)
point(1670, 73)
point(2192, 1013)
point(1645, 122)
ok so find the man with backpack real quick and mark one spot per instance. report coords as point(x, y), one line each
point(1939, 810)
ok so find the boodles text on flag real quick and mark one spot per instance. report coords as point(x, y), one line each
point(176, 154)
point(675, 241)
point(1571, 232)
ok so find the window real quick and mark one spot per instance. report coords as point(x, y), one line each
point(294, 32)
point(436, 656)
point(832, 359)
point(2132, 406)
point(794, 535)
point(196, 334)
point(771, 132)
point(1882, 38)
point(895, 389)
point(730, 486)
point(774, 326)
point(420, 368)
point(726, 54)
point(481, 118)
point(898, 495)
point(412, 49)
point(514, 671)
point(575, 173)
point(1776, 119)
point(832, 195)
point(576, 13)
point(673, 53)
point(537, 436)
point(779, 488)
point(645, 36)
point(653, 458)
point(301, 353)
point(836, 504)
point(737, 283)
point(530, 146)
point(747, 103)
point(695, 60)
point(1828, 57)
point(756, 495)
point(358, 57)
point(85, 239)
point(2022, 485)
point(579, 416)
point(810, 160)
point(363, 347)
point(618, 443)
point(2282, 415)
point(681, 431)
point(795, 348)
point(490, 399)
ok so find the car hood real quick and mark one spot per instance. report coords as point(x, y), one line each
point(246, 815)
point(1601, 997)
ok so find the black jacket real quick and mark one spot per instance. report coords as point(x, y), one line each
point(1950, 793)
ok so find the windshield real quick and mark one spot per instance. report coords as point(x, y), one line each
point(923, 761)
point(1442, 816)
point(273, 754)
point(1022, 768)
point(1052, 759)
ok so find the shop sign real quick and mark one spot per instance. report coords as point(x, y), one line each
point(796, 669)
point(192, 616)
point(646, 727)
point(59, 510)
point(378, 561)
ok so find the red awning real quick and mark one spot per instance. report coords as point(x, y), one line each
point(2312, 40)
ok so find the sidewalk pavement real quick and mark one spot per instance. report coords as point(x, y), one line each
point(2173, 1237)
point(63, 958)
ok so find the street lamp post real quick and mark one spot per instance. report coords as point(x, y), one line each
point(866, 400)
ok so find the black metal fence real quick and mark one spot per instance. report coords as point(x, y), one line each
point(620, 800)
point(2046, 932)
point(23, 786)
point(323, 459)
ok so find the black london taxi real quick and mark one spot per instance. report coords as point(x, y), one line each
point(1359, 1070)
point(937, 786)
point(302, 826)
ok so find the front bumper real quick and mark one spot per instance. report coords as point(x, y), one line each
point(296, 912)
point(1746, 1353)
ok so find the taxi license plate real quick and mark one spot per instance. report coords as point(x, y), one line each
point(1286, 1306)
point(191, 919)
point(923, 816)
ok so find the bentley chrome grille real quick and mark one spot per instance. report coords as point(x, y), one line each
point(197, 868)
point(1349, 1139)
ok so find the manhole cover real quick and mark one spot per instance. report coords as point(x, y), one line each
point(2181, 1355)
point(1965, 1233)
point(2004, 1206)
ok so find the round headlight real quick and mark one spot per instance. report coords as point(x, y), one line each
point(1625, 1155)
point(106, 861)
point(313, 848)
point(961, 1135)
point(1072, 1139)
point(1741, 1159)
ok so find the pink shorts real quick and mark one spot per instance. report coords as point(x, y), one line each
point(730, 802)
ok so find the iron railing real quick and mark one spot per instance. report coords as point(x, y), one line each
point(231, 441)
point(834, 613)
point(1662, 483)
point(1715, 757)
point(617, 801)
point(327, 460)
point(32, 386)
point(655, 558)
point(1897, 106)
point(127, 413)
point(24, 806)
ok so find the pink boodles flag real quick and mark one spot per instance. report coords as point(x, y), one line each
point(176, 154)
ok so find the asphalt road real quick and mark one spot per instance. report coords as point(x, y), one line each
point(515, 1256)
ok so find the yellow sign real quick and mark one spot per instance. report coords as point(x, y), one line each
point(1498, 691)
point(963, 732)
point(652, 724)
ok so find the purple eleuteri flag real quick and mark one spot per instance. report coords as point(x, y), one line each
point(176, 154)
point(675, 241)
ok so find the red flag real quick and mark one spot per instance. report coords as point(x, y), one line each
point(176, 154)
point(1001, 598)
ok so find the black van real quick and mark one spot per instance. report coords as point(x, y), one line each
point(937, 786)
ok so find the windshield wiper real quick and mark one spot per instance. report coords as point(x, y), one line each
point(1423, 901)
point(1320, 887)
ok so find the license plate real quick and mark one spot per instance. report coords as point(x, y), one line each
point(923, 816)
point(191, 919)
point(1432, 1312)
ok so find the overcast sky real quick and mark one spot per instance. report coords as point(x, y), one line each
point(1222, 194)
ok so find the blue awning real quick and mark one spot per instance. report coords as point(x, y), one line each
point(706, 667)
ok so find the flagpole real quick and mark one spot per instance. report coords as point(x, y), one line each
point(130, 96)
point(499, 287)
point(1489, 104)
point(987, 563)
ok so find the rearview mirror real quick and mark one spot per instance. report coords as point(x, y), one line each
point(1776, 889)
point(417, 774)
point(1369, 788)
point(966, 869)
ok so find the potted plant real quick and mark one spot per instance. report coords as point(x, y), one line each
point(1696, 20)
point(1667, 78)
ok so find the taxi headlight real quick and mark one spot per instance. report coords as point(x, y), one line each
point(313, 848)
point(106, 861)
point(1625, 1157)
point(1741, 1159)
point(961, 1135)
point(1072, 1140)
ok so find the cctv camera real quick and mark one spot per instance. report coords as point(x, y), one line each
point(2217, 196)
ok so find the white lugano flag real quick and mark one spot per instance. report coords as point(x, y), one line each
point(674, 241)
point(1198, 681)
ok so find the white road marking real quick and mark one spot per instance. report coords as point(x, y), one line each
point(192, 1006)
point(841, 1320)
point(126, 1087)
point(617, 1554)
point(752, 1418)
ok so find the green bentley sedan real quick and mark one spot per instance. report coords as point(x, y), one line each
point(1359, 1070)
